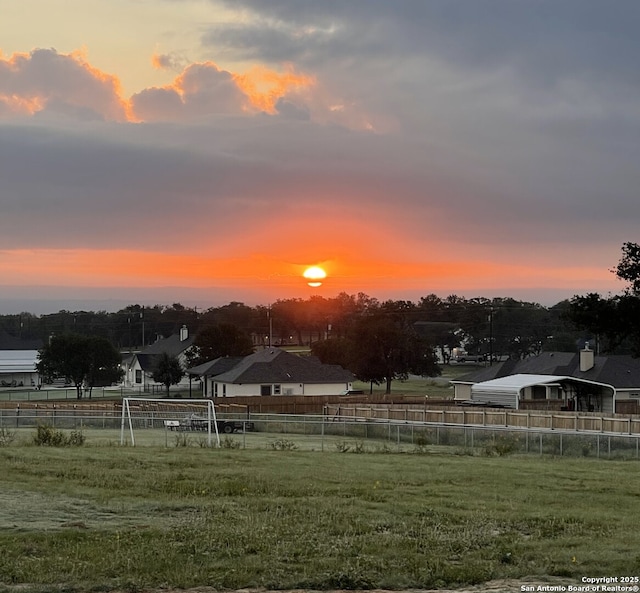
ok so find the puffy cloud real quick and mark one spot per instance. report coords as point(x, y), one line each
point(204, 89)
point(44, 79)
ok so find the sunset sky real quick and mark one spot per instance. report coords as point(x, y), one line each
point(205, 151)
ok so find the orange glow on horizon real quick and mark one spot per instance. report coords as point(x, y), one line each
point(272, 276)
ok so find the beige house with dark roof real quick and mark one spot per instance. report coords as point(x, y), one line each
point(557, 380)
point(273, 371)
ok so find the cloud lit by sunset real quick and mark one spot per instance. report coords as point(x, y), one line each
point(232, 145)
point(264, 87)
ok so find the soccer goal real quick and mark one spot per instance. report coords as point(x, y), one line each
point(141, 415)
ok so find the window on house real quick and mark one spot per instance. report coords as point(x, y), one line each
point(138, 376)
point(265, 389)
point(224, 390)
point(277, 390)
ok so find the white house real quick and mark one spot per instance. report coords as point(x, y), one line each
point(273, 371)
point(138, 369)
point(18, 368)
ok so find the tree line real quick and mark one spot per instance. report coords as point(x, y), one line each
point(499, 326)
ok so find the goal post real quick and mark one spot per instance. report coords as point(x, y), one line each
point(180, 415)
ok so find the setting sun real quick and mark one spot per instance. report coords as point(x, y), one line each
point(315, 276)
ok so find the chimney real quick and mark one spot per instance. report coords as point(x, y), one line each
point(586, 359)
point(184, 333)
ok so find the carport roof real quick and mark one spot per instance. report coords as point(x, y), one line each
point(515, 383)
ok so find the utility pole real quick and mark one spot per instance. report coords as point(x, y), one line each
point(490, 336)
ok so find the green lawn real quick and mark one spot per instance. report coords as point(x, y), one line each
point(434, 387)
point(106, 517)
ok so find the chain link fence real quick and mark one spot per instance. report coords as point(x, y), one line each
point(319, 432)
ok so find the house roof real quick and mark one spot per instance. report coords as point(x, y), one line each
point(619, 371)
point(147, 362)
point(273, 365)
point(172, 345)
point(18, 361)
point(514, 383)
point(216, 366)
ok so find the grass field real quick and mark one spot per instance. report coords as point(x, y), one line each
point(435, 387)
point(98, 518)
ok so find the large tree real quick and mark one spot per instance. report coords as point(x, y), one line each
point(167, 370)
point(215, 341)
point(84, 360)
point(381, 347)
point(614, 322)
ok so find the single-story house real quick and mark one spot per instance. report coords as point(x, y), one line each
point(18, 368)
point(207, 371)
point(556, 380)
point(18, 360)
point(273, 371)
point(138, 368)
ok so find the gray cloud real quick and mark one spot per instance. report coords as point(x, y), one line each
point(508, 128)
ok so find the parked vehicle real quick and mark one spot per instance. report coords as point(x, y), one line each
point(198, 424)
point(460, 355)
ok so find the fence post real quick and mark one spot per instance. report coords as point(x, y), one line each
point(560, 444)
point(540, 444)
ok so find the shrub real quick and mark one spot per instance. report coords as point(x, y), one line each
point(283, 445)
point(47, 436)
point(503, 445)
point(182, 440)
point(343, 447)
point(6, 437)
point(229, 443)
point(76, 438)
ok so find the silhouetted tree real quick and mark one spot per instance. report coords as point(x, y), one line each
point(81, 359)
point(615, 321)
point(215, 341)
point(380, 348)
point(168, 371)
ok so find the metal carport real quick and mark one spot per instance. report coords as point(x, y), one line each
point(508, 391)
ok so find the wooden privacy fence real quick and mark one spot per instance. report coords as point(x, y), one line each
point(530, 419)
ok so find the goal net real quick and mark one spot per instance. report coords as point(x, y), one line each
point(149, 419)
